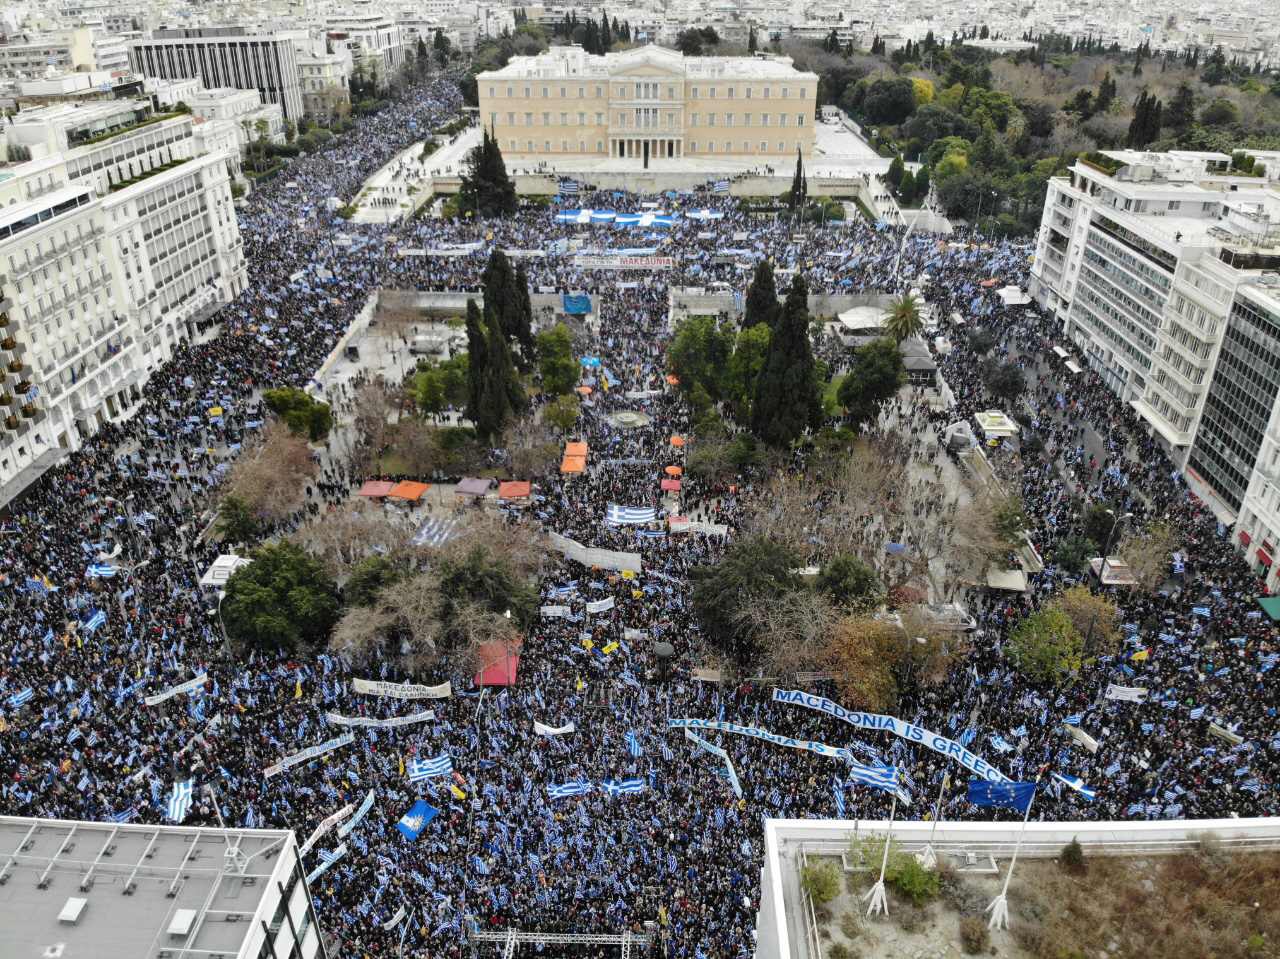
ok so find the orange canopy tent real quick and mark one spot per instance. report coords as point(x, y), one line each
point(674, 471)
point(575, 448)
point(514, 489)
point(409, 490)
point(573, 464)
point(376, 488)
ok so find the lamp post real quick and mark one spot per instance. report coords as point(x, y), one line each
point(226, 640)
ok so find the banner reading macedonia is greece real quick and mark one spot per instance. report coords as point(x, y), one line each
point(908, 731)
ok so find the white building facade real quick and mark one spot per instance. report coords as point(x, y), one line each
point(113, 253)
point(1159, 267)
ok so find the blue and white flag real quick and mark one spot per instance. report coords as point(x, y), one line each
point(415, 820)
point(101, 571)
point(998, 743)
point(1074, 719)
point(837, 790)
point(884, 778)
point(633, 744)
point(420, 769)
point(180, 800)
point(565, 790)
point(327, 859)
point(93, 622)
point(21, 697)
point(624, 515)
point(622, 787)
point(1197, 712)
point(1075, 783)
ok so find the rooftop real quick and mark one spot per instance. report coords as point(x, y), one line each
point(119, 891)
point(573, 61)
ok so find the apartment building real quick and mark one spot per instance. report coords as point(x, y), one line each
point(225, 57)
point(115, 245)
point(374, 39)
point(324, 77)
point(1162, 269)
point(648, 104)
point(245, 109)
point(80, 48)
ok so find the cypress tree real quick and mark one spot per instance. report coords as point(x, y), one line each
point(786, 400)
point(500, 391)
point(477, 356)
point(606, 34)
point(524, 331)
point(761, 304)
point(499, 282)
point(751, 41)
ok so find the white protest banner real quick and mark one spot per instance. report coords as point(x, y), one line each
point(394, 920)
point(616, 262)
point(372, 687)
point(822, 749)
point(189, 686)
point(422, 717)
point(633, 635)
point(345, 829)
point(346, 739)
point(706, 674)
point(908, 731)
point(1083, 738)
point(324, 827)
point(555, 612)
point(592, 556)
point(544, 730)
point(600, 605)
point(717, 751)
point(1225, 734)
point(1128, 694)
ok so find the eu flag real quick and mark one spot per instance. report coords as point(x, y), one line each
point(1009, 794)
point(415, 820)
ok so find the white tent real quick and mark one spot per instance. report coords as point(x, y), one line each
point(1013, 296)
point(995, 424)
point(216, 576)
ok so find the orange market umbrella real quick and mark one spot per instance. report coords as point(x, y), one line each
point(674, 471)
point(584, 390)
point(673, 380)
point(677, 441)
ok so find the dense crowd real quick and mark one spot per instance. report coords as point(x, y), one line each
point(102, 607)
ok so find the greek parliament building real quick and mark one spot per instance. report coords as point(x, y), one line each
point(649, 104)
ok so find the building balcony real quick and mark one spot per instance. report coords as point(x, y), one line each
point(15, 366)
point(8, 343)
point(12, 422)
point(29, 410)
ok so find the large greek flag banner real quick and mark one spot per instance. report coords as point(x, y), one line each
point(345, 829)
point(372, 687)
point(624, 515)
point(310, 753)
point(327, 859)
point(890, 724)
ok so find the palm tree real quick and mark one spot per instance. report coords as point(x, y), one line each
point(904, 320)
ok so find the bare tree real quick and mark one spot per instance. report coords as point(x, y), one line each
point(272, 472)
point(532, 448)
point(798, 625)
point(356, 530)
point(1149, 554)
point(371, 419)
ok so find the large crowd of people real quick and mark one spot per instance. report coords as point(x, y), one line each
point(102, 607)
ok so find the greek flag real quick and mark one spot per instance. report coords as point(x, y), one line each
point(1074, 719)
point(535, 862)
point(21, 698)
point(579, 788)
point(420, 769)
point(101, 571)
point(837, 790)
point(1200, 610)
point(621, 787)
point(568, 187)
point(667, 754)
point(1075, 783)
point(93, 622)
point(633, 744)
point(877, 777)
point(625, 515)
point(180, 801)
point(997, 741)
point(1197, 712)
point(721, 186)
point(123, 816)
point(37, 586)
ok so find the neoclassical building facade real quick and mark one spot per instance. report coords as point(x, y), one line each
point(649, 104)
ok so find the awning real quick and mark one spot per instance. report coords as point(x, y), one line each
point(376, 488)
point(1245, 538)
point(1060, 353)
point(1013, 580)
point(573, 464)
point(500, 665)
point(472, 486)
point(1263, 557)
point(408, 490)
point(1271, 606)
point(670, 485)
point(514, 489)
point(575, 448)
point(1073, 367)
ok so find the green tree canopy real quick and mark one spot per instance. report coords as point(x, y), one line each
point(1004, 381)
point(904, 320)
point(753, 570)
point(850, 583)
point(236, 520)
point(876, 377)
point(487, 190)
point(699, 355)
point(787, 400)
point(500, 392)
point(303, 415)
point(1045, 646)
point(749, 352)
point(368, 577)
point(556, 362)
point(762, 304)
point(283, 601)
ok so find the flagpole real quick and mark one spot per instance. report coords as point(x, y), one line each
point(999, 907)
point(879, 902)
point(928, 858)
